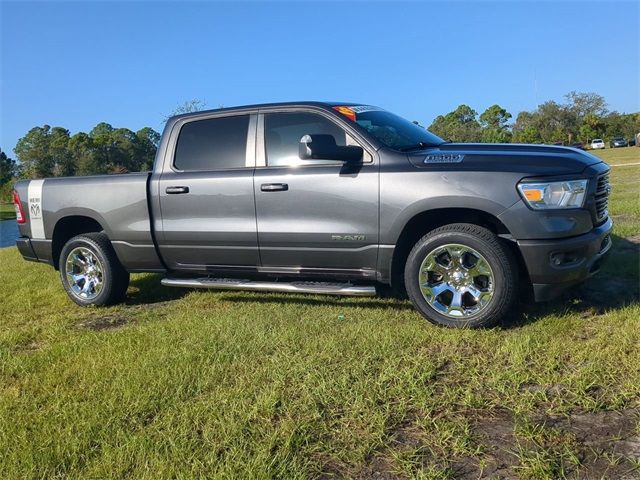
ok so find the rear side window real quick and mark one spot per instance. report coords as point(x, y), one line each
point(212, 144)
point(283, 131)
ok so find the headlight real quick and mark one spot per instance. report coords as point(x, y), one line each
point(547, 195)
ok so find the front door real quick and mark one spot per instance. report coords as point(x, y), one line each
point(206, 197)
point(320, 216)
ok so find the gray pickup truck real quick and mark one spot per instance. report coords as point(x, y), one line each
point(328, 198)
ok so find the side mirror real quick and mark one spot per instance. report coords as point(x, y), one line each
point(323, 147)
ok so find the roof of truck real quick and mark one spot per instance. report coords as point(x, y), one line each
point(305, 103)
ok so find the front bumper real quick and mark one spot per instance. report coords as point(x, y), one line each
point(555, 265)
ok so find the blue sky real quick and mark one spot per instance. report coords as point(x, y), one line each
point(75, 64)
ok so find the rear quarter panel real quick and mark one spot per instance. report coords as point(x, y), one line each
point(117, 202)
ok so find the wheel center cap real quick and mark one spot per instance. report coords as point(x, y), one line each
point(458, 277)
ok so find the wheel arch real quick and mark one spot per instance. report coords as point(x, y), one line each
point(67, 228)
point(423, 222)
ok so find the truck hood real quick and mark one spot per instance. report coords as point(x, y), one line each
point(506, 157)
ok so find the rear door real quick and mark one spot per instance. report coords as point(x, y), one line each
point(313, 216)
point(206, 195)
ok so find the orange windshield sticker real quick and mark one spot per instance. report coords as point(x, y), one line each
point(347, 112)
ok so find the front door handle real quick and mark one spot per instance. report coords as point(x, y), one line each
point(176, 190)
point(274, 187)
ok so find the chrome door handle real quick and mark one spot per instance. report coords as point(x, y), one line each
point(176, 190)
point(274, 187)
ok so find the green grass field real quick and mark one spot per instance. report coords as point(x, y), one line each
point(7, 211)
point(198, 384)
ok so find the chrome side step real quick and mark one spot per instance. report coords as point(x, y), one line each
point(326, 288)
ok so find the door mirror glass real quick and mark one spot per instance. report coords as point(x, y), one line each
point(324, 147)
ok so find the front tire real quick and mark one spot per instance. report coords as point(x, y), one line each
point(90, 271)
point(460, 275)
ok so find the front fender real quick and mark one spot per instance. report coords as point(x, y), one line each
point(433, 204)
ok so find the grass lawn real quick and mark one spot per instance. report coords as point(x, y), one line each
point(7, 211)
point(199, 384)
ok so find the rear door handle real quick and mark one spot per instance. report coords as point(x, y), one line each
point(177, 190)
point(274, 187)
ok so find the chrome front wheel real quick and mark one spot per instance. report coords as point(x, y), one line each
point(461, 275)
point(456, 280)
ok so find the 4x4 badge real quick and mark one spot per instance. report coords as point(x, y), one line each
point(349, 238)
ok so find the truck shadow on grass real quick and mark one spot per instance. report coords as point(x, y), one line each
point(145, 295)
point(321, 301)
point(616, 286)
point(146, 289)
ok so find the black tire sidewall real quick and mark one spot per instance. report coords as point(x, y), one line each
point(108, 274)
point(503, 276)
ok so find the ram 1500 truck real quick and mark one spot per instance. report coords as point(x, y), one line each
point(328, 198)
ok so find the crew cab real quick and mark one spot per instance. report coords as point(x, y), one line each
point(335, 198)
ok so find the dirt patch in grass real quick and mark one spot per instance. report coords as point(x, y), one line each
point(411, 451)
point(29, 347)
point(107, 321)
point(379, 468)
point(497, 439)
point(581, 445)
point(104, 322)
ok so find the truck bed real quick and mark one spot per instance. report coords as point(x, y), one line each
point(118, 203)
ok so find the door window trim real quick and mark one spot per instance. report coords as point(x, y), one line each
point(250, 155)
point(261, 152)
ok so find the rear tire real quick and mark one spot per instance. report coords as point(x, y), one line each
point(460, 275)
point(90, 271)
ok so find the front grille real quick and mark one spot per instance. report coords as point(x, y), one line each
point(602, 197)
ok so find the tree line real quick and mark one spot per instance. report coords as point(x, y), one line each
point(580, 118)
point(52, 151)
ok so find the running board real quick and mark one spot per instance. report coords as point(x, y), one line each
point(326, 288)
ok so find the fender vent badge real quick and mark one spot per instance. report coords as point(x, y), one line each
point(443, 158)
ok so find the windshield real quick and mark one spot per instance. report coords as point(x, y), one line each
point(389, 129)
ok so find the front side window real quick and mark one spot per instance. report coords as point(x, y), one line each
point(212, 144)
point(283, 131)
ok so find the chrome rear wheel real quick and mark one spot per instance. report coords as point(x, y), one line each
point(84, 273)
point(91, 272)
